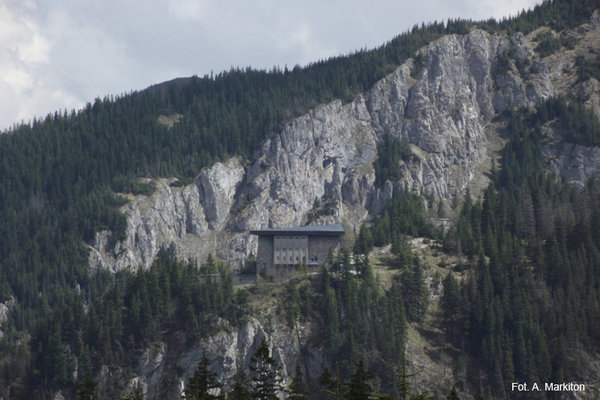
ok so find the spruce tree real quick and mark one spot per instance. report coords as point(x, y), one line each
point(453, 395)
point(359, 388)
point(87, 389)
point(331, 384)
point(298, 389)
point(266, 379)
point(403, 385)
point(203, 383)
point(416, 295)
point(240, 390)
point(451, 304)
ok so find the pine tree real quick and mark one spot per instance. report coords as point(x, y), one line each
point(403, 384)
point(359, 388)
point(56, 360)
point(364, 243)
point(266, 380)
point(240, 390)
point(203, 382)
point(453, 395)
point(415, 293)
point(330, 384)
point(451, 304)
point(87, 389)
point(330, 319)
point(298, 389)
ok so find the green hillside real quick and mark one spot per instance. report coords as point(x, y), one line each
point(532, 245)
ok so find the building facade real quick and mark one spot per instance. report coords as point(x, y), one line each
point(282, 250)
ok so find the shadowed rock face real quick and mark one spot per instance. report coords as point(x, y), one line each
point(445, 113)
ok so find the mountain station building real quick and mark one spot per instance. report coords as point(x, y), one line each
point(282, 250)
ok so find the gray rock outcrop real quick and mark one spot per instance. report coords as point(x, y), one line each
point(230, 351)
point(445, 112)
point(5, 308)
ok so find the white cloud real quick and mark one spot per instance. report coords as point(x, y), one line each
point(24, 52)
point(187, 10)
point(35, 50)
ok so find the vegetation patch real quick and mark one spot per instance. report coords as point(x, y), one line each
point(133, 311)
point(404, 215)
point(389, 154)
point(575, 123)
point(135, 186)
point(587, 68)
point(182, 181)
point(549, 43)
point(418, 64)
point(321, 208)
point(504, 60)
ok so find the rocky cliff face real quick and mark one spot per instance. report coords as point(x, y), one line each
point(444, 109)
point(230, 351)
point(191, 217)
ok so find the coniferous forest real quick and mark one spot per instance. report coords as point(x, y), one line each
point(533, 244)
point(528, 309)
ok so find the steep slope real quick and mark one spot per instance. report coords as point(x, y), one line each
point(447, 105)
point(444, 109)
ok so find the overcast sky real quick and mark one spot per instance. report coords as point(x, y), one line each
point(57, 54)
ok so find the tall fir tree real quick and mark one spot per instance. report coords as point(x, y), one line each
point(240, 389)
point(266, 379)
point(297, 389)
point(453, 395)
point(203, 384)
point(359, 386)
point(87, 389)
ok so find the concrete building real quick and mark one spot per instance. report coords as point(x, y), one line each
point(282, 250)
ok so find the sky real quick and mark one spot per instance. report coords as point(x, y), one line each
point(61, 54)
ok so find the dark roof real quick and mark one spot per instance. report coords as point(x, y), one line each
point(336, 229)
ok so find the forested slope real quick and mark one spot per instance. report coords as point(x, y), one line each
point(531, 245)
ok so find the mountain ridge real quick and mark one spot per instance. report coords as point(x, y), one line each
point(447, 126)
point(446, 104)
